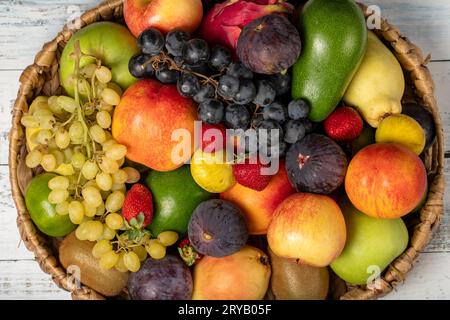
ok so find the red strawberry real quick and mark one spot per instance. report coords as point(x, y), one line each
point(344, 124)
point(249, 175)
point(137, 208)
point(209, 137)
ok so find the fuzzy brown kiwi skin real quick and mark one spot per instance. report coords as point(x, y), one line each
point(293, 281)
point(77, 253)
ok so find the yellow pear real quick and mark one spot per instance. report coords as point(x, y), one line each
point(377, 88)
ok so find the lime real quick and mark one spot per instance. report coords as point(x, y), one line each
point(42, 212)
point(175, 196)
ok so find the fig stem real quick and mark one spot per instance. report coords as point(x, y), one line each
point(207, 236)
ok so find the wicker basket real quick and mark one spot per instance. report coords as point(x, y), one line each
point(41, 78)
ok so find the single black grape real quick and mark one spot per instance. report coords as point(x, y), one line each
point(294, 131)
point(195, 51)
point(237, 116)
point(275, 111)
point(281, 82)
point(175, 41)
point(188, 85)
point(166, 75)
point(211, 111)
point(202, 68)
point(151, 41)
point(238, 70)
point(265, 93)
point(298, 109)
point(206, 92)
point(246, 92)
point(220, 58)
point(139, 67)
point(228, 86)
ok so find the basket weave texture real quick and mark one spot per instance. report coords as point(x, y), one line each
point(41, 78)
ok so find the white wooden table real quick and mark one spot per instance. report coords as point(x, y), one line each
point(26, 24)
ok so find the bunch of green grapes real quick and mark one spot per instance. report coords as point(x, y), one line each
point(72, 137)
point(126, 255)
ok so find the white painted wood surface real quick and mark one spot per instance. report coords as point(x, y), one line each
point(26, 24)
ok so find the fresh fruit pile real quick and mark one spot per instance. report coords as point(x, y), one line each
point(235, 156)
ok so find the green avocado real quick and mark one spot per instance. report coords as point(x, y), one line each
point(334, 38)
point(110, 42)
point(42, 212)
point(175, 196)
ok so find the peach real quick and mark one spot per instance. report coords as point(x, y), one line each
point(386, 180)
point(145, 119)
point(243, 275)
point(164, 15)
point(308, 227)
point(258, 206)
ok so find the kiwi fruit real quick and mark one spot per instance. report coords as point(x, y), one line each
point(74, 252)
point(293, 281)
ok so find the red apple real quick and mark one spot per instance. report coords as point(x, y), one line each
point(164, 15)
point(308, 227)
point(145, 119)
point(386, 180)
point(258, 206)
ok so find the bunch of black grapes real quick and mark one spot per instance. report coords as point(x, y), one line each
point(226, 91)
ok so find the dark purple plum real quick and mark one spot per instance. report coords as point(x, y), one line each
point(217, 228)
point(316, 164)
point(165, 279)
point(425, 119)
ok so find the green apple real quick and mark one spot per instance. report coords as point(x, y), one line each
point(110, 42)
point(372, 244)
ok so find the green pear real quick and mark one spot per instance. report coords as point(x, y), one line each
point(372, 244)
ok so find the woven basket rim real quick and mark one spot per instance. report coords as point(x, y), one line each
point(413, 64)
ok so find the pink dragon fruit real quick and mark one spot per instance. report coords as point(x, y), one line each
point(224, 22)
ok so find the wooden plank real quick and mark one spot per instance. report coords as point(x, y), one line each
point(11, 247)
point(31, 23)
point(425, 23)
point(24, 280)
point(428, 280)
point(27, 25)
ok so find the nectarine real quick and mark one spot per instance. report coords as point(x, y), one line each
point(386, 180)
point(144, 121)
point(258, 206)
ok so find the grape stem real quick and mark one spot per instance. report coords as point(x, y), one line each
point(77, 55)
point(164, 58)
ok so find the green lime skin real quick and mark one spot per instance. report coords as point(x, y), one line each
point(110, 42)
point(42, 212)
point(175, 196)
point(334, 38)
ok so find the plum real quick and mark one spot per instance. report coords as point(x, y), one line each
point(165, 279)
point(316, 164)
point(425, 119)
point(217, 228)
point(269, 45)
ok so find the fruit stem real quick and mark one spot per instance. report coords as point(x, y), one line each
point(207, 236)
point(77, 53)
point(164, 58)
